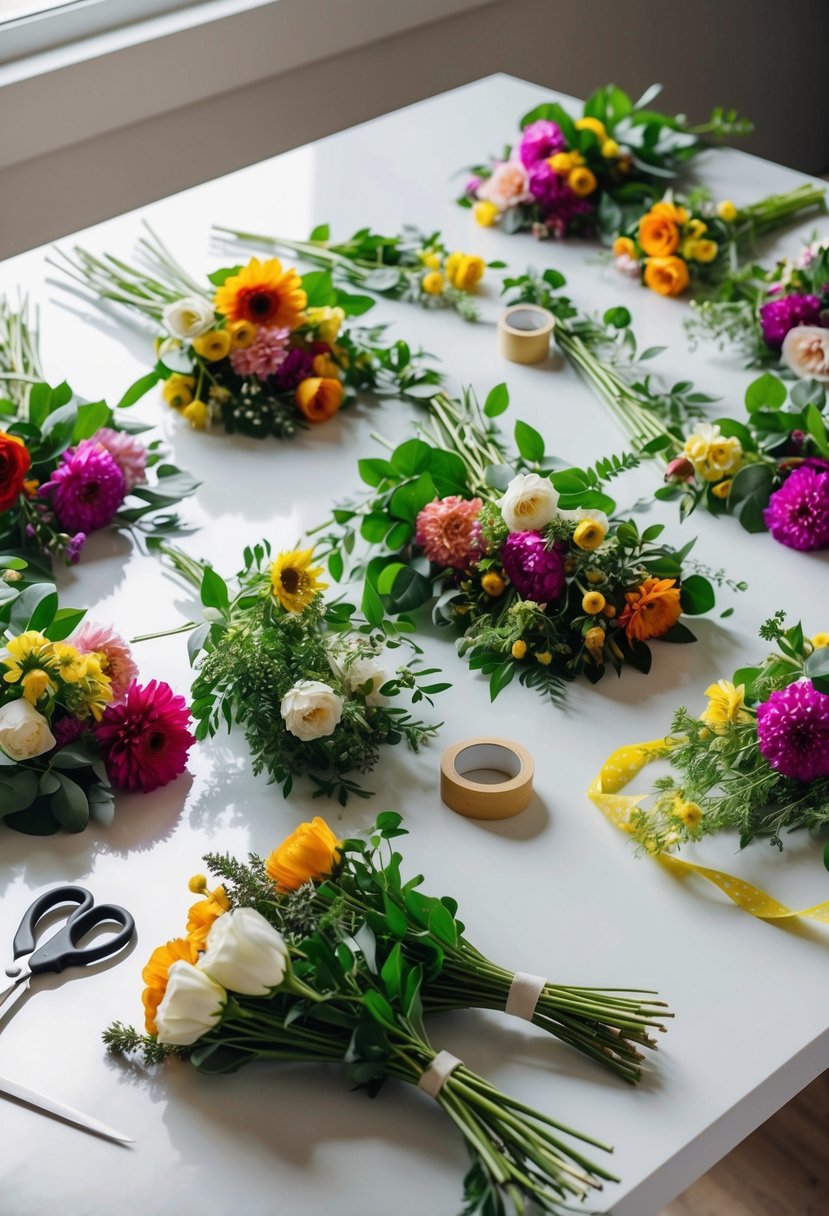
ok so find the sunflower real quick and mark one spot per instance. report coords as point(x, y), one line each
point(264, 294)
point(651, 609)
point(294, 580)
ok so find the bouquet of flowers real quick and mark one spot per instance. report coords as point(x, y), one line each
point(772, 316)
point(571, 177)
point(411, 265)
point(757, 759)
point(67, 467)
point(522, 559)
point(771, 471)
point(307, 681)
point(259, 349)
point(322, 952)
point(680, 245)
point(75, 724)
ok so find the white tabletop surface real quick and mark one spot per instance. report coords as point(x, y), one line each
point(557, 890)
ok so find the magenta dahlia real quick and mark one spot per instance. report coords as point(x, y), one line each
point(797, 514)
point(793, 731)
point(448, 531)
point(536, 572)
point(86, 489)
point(145, 739)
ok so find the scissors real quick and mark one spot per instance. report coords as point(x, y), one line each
point(57, 952)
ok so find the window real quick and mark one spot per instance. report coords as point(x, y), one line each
point(30, 26)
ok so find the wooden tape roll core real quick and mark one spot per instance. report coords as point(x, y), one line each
point(524, 333)
point(488, 798)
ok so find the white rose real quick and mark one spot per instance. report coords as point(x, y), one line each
point(529, 503)
point(24, 732)
point(190, 1007)
point(311, 710)
point(806, 352)
point(245, 953)
point(358, 673)
point(189, 317)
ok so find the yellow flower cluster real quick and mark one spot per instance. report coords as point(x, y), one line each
point(463, 271)
point(726, 706)
point(714, 456)
point(48, 671)
point(669, 237)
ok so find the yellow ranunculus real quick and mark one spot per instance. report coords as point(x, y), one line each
point(430, 259)
point(213, 346)
point(589, 534)
point(704, 251)
point(727, 211)
point(726, 706)
point(197, 414)
point(432, 283)
point(326, 321)
point(819, 640)
point(561, 163)
point(658, 235)
point(594, 125)
point(311, 852)
point(464, 270)
point(242, 334)
point(713, 455)
point(178, 390)
point(485, 213)
point(581, 181)
point(666, 276)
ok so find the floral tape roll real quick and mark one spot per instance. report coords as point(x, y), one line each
point(523, 995)
point(433, 1078)
point(524, 333)
point(486, 799)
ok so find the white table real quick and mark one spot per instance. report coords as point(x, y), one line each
point(556, 890)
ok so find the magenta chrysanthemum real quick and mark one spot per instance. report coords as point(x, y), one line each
point(539, 140)
point(118, 662)
point(86, 489)
point(144, 741)
point(536, 572)
point(793, 731)
point(448, 531)
point(127, 452)
point(265, 355)
point(798, 513)
point(783, 313)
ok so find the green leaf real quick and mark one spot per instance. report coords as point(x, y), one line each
point(589, 500)
point(372, 606)
point(375, 470)
point(411, 497)
point(34, 608)
point(749, 495)
point(218, 277)
point(64, 622)
point(696, 595)
point(529, 442)
point(501, 677)
point(497, 401)
point(322, 232)
point(618, 317)
point(17, 790)
point(808, 392)
point(410, 590)
point(319, 287)
point(139, 389)
point(816, 428)
point(766, 392)
point(374, 527)
point(69, 805)
point(392, 969)
point(92, 415)
point(412, 457)
point(213, 591)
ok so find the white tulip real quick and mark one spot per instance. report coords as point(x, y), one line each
point(245, 953)
point(311, 710)
point(359, 672)
point(190, 1007)
point(24, 732)
point(806, 352)
point(529, 503)
point(189, 317)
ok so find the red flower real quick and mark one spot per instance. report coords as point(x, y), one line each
point(15, 463)
point(144, 741)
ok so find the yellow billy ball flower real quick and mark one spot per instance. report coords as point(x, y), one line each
point(594, 641)
point(213, 346)
point(561, 163)
point(595, 576)
point(594, 125)
point(197, 884)
point(544, 658)
point(242, 334)
point(492, 583)
point(727, 211)
point(519, 649)
point(819, 640)
point(432, 283)
point(589, 534)
point(486, 214)
point(726, 706)
point(704, 250)
point(581, 181)
point(197, 414)
point(178, 391)
point(721, 489)
point(593, 603)
point(610, 149)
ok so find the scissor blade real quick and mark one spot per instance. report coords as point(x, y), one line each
point(61, 1111)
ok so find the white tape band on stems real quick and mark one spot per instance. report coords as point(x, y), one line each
point(433, 1079)
point(524, 992)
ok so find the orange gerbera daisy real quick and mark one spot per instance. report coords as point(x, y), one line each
point(156, 972)
point(651, 609)
point(264, 294)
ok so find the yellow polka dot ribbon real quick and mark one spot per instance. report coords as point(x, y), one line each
point(622, 767)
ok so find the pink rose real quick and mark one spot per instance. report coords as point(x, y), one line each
point(507, 185)
point(806, 352)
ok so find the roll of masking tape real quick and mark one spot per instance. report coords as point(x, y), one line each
point(486, 778)
point(524, 333)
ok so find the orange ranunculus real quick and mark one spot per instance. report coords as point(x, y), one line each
point(202, 915)
point(319, 397)
point(155, 975)
point(312, 851)
point(623, 245)
point(651, 609)
point(15, 462)
point(658, 235)
point(671, 211)
point(666, 276)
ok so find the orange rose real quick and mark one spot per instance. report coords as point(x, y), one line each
point(15, 462)
point(651, 609)
point(311, 852)
point(658, 235)
point(666, 276)
point(670, 211)
point(319, 398)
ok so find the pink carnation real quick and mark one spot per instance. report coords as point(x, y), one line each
point(507, 186)
point(265, 355)
point(127, 452)
point(144, 741)
point(118, 661)
point(448, 531)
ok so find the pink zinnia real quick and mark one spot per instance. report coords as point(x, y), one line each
point(118, 662)
point(127, 452)
point(144, 741)
point(448, 531)
point(86, 489)
point(265, 355)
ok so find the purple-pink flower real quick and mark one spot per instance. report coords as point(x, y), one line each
point(127, 452)
point(297, 366)
point(86, 489)
point(540, 140)
point(448, 531)
point(797, 514)
point(558, 204)
point(783, 313)
point(536, 572)
point(144, 741)
point(265, 355)
point(793, 731)
point(118, 662)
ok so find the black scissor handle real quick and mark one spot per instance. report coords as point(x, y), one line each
point(61, 950)
point(24, 938)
